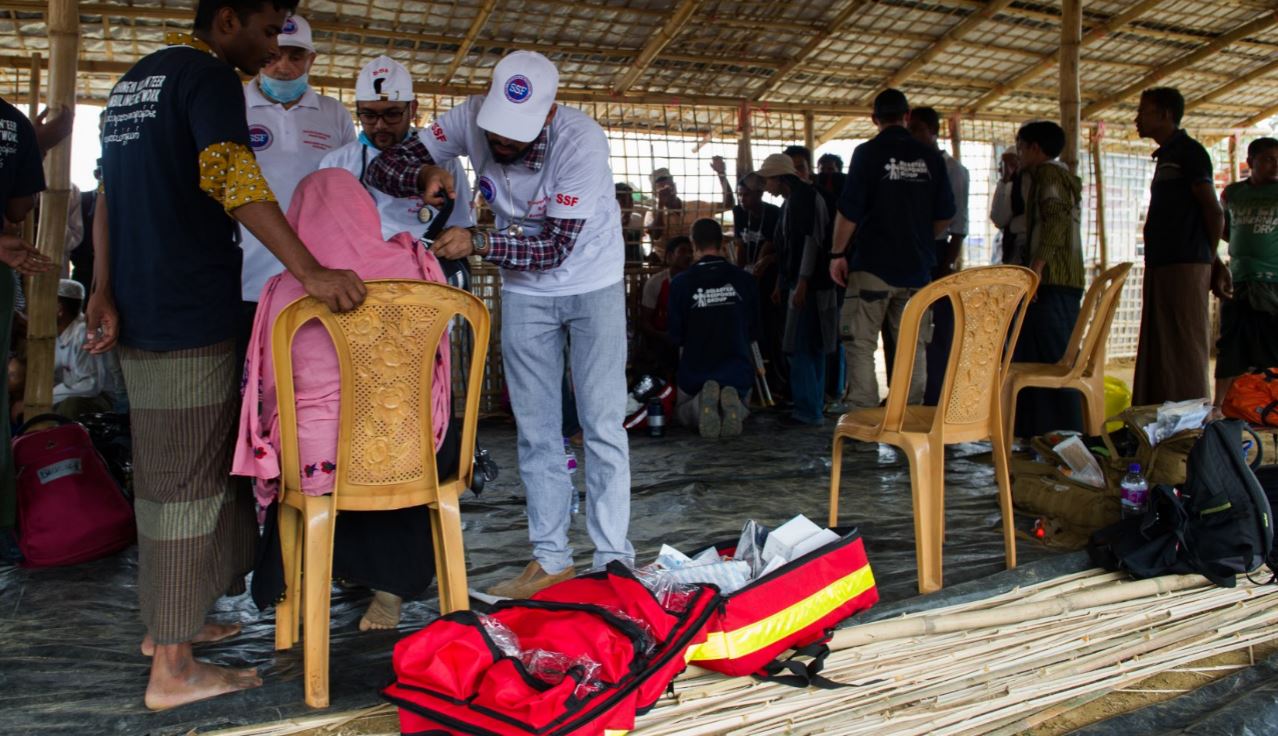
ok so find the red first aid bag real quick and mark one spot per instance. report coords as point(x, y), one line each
point(795, 607)
point(70, 509)
point(456, 677)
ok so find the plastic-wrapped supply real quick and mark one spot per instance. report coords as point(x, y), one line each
point(552, 667)
point(502, 636)
point(647, 644)
point(750, 546)
point(673, 596)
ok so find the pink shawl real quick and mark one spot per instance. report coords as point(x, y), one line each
point(337, 220)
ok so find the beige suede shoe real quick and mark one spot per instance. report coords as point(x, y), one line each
point(531, 580)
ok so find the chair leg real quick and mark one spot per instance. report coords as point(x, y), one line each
point(927, 534)
point(286, 611)
point(1009, 418)
point(836, 475)
point(1003, 477)
point(450, 557)
point(317, 581)
point(1093, 408)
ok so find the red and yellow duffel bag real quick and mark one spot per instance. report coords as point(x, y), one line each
point(795, 607)
point(459, 676)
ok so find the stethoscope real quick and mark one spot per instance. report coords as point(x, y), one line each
point(424, 215)
point(519, 227)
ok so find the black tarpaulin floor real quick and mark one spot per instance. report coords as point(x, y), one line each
point(69, 660)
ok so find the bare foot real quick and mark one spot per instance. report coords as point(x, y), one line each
point(210, 633)
point(382, 613)
point(177, 678)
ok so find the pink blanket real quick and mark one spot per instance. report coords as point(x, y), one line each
point(338, 222)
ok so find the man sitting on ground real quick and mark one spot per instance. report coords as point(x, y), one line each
point(77, 388)
point(659, 355)
point(714, 316)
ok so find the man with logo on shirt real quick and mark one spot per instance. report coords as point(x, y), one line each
point(714, 317)
point(178, 173)
point(1182, 229)
point(543, 168)
point(895, 204)
point(1249, 321)
point(386, 107)
point(291, 127)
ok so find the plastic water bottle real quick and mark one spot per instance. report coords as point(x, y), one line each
point(1135, 492)
point(656, 418)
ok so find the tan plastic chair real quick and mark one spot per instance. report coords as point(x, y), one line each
point(989, 306)
point(385, 447)
point(1083, 365)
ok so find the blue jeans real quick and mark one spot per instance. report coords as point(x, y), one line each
point(807, 369)
point(533, 332)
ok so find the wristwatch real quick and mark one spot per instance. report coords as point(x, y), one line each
point(479, 242)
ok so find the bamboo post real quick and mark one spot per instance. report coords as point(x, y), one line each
point(956, 138)
point(1233, 158)
point(745, 157)
point(64, 36)
point(809, 131)
point(1071, 105)
point(33, 108)
point(1098, 177)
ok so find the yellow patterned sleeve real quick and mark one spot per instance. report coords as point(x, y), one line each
point(229, 173)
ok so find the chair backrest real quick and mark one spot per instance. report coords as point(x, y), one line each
point(989, 307)
point(386, 356)
point(1086, 352)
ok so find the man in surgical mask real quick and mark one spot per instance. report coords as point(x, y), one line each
point(291, 128)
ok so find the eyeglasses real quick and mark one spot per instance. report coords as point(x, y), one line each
point(391, 116)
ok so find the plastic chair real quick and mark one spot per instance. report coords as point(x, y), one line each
point(989, 306)
point(1083, 366)
point(385, 447)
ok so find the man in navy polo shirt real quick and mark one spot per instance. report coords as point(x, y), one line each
point(714, 316)
point(896, 203)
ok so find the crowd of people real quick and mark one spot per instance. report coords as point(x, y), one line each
point(222, 201)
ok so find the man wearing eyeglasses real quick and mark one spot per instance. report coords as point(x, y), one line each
point(291, 128)
point(386, 107)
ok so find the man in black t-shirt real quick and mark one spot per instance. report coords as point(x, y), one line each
point(1182, 230)
point(714, 317)
point(178, 173)
point(21, 177)
point(753, 221)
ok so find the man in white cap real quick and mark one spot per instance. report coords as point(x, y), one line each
point(291, 128)
point(387, 107)
point(544, 171)
point(77, 385)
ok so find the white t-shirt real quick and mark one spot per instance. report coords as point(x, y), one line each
point(401, 214)
point(574, 182)
point(289, 144)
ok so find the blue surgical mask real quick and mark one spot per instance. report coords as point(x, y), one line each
point(282, 90)
point(364, 139)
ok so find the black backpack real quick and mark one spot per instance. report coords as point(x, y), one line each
point(1218, 526)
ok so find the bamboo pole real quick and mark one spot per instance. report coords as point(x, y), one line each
point(809, 131)
point(1098, 180)
point(1233, 158)
point(33, 108)
point(1071, 45)
point(745, 156)
point(932, 624)
point(42, 329)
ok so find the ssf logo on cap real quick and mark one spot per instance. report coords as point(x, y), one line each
point(519, 98)
point(383, 80)
point(296, 32)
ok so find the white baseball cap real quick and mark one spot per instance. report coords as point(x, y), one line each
point(296, 32)
point(522, 91)
point(384, 80)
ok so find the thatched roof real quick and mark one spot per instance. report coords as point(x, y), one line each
point(650, 62)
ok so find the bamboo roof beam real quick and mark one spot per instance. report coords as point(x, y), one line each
point(1238, 83)
point(1259, 118)
point(477, 25)
point(1268, 20)
point(1048, 60)
point(831, 29)
point(677, 21)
